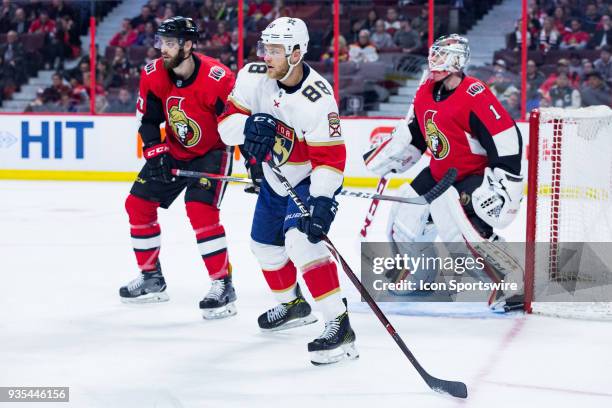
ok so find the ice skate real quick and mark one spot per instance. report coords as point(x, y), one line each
point(220, 300)
point(335, 344)
point(149, 287)
point(287, 315)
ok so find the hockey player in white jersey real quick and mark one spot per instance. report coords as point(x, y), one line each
point(282, 109)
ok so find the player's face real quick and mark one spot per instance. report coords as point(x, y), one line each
point(170, 51)
point(438, 76)
point(275, 61)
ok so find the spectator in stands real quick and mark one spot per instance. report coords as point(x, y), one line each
point(43, 24)
point(124, 103)
point(534, 76)
point(587, 69)
point(154, 9)
point(168, 13)
point(102, 105)
point(258, 9)
point(59, 9)
point(363, 50)
point(392, 23)
point(20, 24)
point(120, 68)
point(575, 39)
point(185, 8)
point(602, 6)
point(221, 38)
point(407, 38)
point(356, 27)
point(208, 11)
point(517, 36)
point(595, 91)
point(126, 37)
point(562, 68)
point(560, 20)
point(602, 35)
point(513, 104)
point(7, 15)
point(152, 54)
point(146, 15)
point(58, 87)
point(103, 73)
point(421, 24)
point(562, 94)
point(381, 38)
point(371, 19)
point(603, 64)
point(575, 64)
point(533, 98)
point(147, 37)
point(591, 18)
point(549, 36)
point(228, 58)
point(501, 79)
point(343, 54)
point(12, 52)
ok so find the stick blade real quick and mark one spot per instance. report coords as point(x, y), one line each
point(454, 388)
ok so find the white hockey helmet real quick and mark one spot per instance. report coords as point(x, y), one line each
point(449, 53)
point(286, 31)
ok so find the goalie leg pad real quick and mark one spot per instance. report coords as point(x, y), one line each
point(408, 222)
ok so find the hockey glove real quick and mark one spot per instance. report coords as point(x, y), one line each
point(322, 213)
point(259, 135)
point(158, 163)
point(393, 153)
point(498, 200)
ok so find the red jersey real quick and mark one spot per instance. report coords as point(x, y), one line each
point(466, 128)
point(188, 106)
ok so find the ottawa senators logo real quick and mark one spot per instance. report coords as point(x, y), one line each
point(186, 130)
point(285, 140)
point(436, 140)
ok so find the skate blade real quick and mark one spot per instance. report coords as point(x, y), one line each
point(156, 297)
point(304, 321)
point(325, 357)
point(220, 312)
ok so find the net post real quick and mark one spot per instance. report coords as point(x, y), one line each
point(532, 203)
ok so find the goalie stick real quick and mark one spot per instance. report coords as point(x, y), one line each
point(454, 388)
point(420, 200)
point(383, 181)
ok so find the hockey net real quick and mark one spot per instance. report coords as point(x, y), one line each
point(569, 204)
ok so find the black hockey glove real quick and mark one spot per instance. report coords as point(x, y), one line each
point(256, 173)
point(158, 162)
point(259, 135)
point(322, 213)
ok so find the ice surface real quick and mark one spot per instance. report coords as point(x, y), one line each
point(65, 250)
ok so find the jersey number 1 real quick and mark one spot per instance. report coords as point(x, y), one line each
point(497, 117)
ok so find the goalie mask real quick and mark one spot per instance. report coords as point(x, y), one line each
point(450, 53)
point(288, 32)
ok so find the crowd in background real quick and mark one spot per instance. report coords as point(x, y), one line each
point(577, 31)
point(569, 60)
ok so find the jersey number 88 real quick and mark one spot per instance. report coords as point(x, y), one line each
point(312, 94)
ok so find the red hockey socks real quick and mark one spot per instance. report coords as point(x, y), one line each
point(145, 231)
point(210, 235)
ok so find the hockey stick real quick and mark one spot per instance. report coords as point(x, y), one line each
point(454, 388)
point(382, 182)
point(420, 200)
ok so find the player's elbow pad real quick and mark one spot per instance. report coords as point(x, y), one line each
point(394, 153)
point(149, 133)
point(231, 129)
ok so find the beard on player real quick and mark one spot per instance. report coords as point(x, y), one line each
point(170, 61)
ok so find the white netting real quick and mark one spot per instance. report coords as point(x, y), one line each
point(574, 205)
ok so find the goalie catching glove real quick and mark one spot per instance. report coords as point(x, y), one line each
point(393, 153)
point(498, 199)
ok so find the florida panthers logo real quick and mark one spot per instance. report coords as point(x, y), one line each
point(436, 140)
point(187, 130)
point(285, 140)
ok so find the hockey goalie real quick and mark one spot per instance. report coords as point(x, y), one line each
point(463, 126)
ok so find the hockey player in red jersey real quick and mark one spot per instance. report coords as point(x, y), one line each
point(284, 108)
point(187, 91)
point(462, 125)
